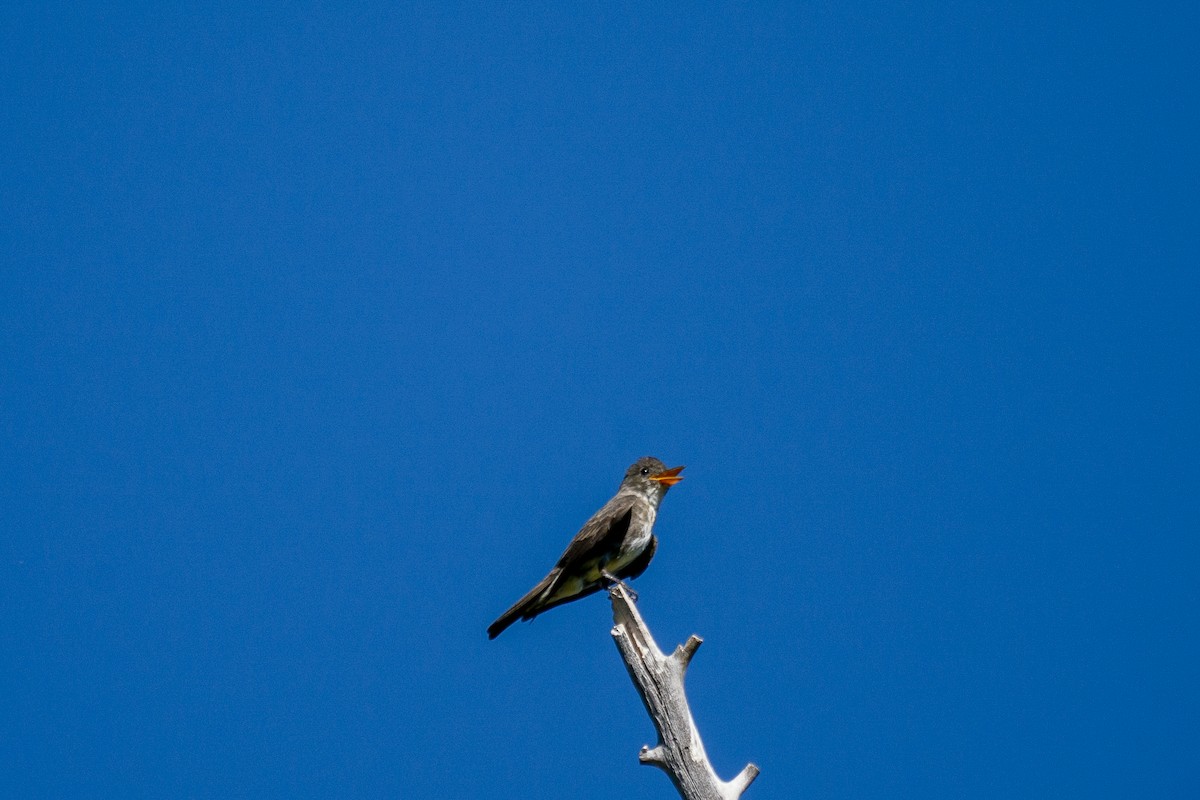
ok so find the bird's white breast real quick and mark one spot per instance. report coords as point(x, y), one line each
point(641, 528)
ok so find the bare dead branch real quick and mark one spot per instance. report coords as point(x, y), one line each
point(659, 680)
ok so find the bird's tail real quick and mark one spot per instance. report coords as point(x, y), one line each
point(527, 607)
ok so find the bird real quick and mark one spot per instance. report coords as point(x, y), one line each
point(616, 543)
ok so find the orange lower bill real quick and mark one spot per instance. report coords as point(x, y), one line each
point(670, 477)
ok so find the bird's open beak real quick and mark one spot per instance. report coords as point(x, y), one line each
point(668, 477)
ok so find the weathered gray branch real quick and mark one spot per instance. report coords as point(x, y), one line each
point(659, 680)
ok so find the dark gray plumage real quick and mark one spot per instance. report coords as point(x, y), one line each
point(616, 543)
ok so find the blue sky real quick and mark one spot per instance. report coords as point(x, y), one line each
point(324, 329)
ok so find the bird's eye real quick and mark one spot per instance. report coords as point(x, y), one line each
point(645, 470)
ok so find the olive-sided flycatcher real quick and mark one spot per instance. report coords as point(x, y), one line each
point(616, 543)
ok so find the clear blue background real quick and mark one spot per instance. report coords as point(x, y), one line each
point(324, 328)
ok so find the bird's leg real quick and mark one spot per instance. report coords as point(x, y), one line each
point(613, 580)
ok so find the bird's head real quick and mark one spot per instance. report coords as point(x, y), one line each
point(650, 476)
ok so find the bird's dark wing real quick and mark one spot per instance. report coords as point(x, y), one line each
point(603, 533)
point(600, 537)
point(631, 571)
point(639, 564)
